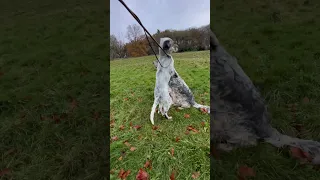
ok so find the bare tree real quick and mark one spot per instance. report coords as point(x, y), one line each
point(134, 32)
point(117, 49)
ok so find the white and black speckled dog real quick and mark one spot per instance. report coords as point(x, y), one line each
point(170, 88)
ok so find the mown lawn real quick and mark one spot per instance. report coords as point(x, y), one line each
point(277, 44)
point(132, 83)
point(53, 90)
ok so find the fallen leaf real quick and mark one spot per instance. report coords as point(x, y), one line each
point(178, 110)
point(172, 176)
point(114, 138)
point(112, 123)
point(5, 171)
point(56, 118)
point(132, 94)
point(121, 127)
point(204, 110)
point(123, 174)
point(203, 123)
point(137, 127)
point(142, 175)
point(120, 158)
point(305, 100)
point(10, 151)
point(127, 144)
point(112, 171)
point(140, 99)
point(73, 104)
point(177, 139)
point(140, 137)
point(155, 127)
point(190, 128)
point(96, 115)
point(245, 171)
point(125, 99)
point(187, 132)
point(148, 165)
point(133, 148)
point(186, 116)
point(172, 151)
point(195, 175)
point(130, 124)
point(299, 154)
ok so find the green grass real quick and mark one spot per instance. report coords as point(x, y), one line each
point(134, 79)
point(277, 44)
point(51, 51)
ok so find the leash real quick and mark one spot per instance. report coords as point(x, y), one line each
point(145, 32)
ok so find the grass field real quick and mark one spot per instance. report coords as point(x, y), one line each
point(53, 90)
point(277, 44)
point(132, 83)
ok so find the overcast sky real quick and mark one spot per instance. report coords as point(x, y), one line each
point(158, 14)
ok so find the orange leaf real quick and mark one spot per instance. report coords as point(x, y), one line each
point(203, 124)
point(190, 128)
point(204, 110)
point(142, 175)
point(125, 99)
point(172, 151)
point(127, 144)
point(186, 116)
point(195, 175)
point(130, 124)
point(155, 127)
point(121, 127)
point(245, 171)
point(299, 154)
point(133, 148)
point(112, 123)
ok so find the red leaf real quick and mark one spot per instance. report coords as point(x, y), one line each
point(137, 127)
point(155, 127)
point(114, 138)
point(133, 148)
point(177, 139)
point(172, 151)
point(245, 171)
point(127, 144)
point(5, 171)
point(190, 128)
point(204, 110)
point(148, 164)
point(299, 154)
point(186, 116)
point(142, 175)
point(121, 127)
point(172, 176)
point(195, 175)
point(123, 174)
point(130, 124)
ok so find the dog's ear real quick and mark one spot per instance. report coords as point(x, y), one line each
point(166, 45)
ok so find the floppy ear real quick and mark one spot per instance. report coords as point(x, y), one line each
point(166, 45)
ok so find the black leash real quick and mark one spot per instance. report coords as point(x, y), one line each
point(145, 32)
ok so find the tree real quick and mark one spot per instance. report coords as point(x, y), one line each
point(134, 32)
point(117, 49)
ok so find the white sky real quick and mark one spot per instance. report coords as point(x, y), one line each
point(158, 14)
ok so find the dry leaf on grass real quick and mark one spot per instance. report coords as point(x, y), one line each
point(125, 99)
point(127, 144)
point(148, 165)
point(114, 138)
point(204, 110)
point(172, 176)
point(300, 155)
point(177, 139)
point(245, 171)
point(142, 175)
point(137, 127)
point(112, 123)
point(5, 171)
point(186, 116)
point(305, 100)
point(172, 151)
point(73, 104)
point(195, 175)
point(203, 123)
point(133, 148)
point(123, 174)
point(190, 128)
point(121, 127)
point(155, 127)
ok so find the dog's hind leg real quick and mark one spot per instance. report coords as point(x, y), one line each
point(166, 109)
point(198, 106)
point(154, 106)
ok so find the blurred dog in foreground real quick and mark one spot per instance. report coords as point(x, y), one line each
point(240, 117)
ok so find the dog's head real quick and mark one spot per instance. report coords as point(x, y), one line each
point(168, 45)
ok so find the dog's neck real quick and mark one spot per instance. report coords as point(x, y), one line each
point(166, 60)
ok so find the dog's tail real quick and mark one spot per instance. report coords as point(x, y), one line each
point(312, 148)
point(198, 106)
point(153, 110)
point(214, 42)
